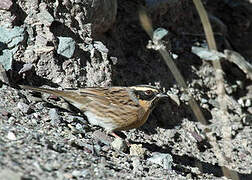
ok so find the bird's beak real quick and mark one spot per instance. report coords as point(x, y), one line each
point(161, 95)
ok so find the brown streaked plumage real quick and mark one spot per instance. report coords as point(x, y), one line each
point(113, 108)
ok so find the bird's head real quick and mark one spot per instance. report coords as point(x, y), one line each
point(147, 95)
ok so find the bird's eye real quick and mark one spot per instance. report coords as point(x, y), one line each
point(148, 92)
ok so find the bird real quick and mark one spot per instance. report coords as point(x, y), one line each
point(115, 108)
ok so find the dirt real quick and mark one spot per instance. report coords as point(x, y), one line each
point(42, 137)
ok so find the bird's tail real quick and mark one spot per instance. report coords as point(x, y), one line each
point(42, 90)
point(72, 97)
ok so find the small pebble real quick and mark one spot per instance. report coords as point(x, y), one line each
point(240, 101)
point(105, 148)
point(36, 115)
point(11, 136)
point(249, 110)
point(164, 160)
point(5, 4)
point(33, 121)
point(114, 60)
point(80, 173)
point(137, 150)
point(67, 176)
point(203, 100)
point(24, 107)
point(79, 128)
point(54, 116)
point(136, 163)
point(248, 103)
point(185, 97)
point(37, 166)
point(66, 47)
point(3, 77)
point(84, 172)
point(25, 68)
point(119, 144)
point(76, 173)
point(50, 166)
point(11, 120)
point(100, 46)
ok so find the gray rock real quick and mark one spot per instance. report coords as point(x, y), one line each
point(76, 173)
point(66, 47)
point(5, 4)
point(45, 17)
point(100, 46)
point(25, 108)
point(54, 116)
point(25, 68)
point(7, 174)
point(137, 150)
point(3, 75)
point(137, 165)
point(79, 128)
point(80, 173)
point(10, 39)
point(119, 144)
point(248, 103)
point(11, 136)
point(164, 160)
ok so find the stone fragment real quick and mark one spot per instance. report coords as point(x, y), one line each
point(54, 116)
point(9, 41)
point(11, 136)
point(137, 150)
point(25, 108)
point(119, 144)
point(66, 47)
point(5, 4)
point(163, 159)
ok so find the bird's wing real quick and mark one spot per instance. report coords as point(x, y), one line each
point(79, 97)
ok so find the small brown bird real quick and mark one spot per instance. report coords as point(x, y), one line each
point(113, 108)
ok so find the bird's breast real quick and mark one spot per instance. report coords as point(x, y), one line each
point(105, 122)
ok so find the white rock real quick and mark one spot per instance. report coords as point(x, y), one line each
point(11, 136)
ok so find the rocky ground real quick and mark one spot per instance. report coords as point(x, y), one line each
point(71, 43)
